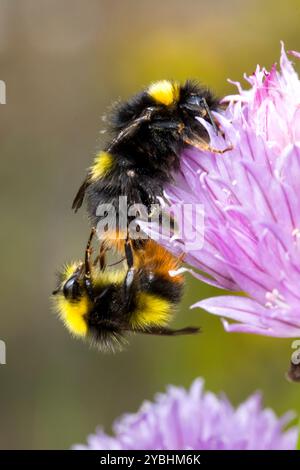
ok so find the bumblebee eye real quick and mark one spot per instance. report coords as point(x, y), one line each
point(71, 289)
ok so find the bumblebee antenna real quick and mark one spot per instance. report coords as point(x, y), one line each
point(87, 265)
point(210, 116)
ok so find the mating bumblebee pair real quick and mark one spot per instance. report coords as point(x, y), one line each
point(104, 305)
point(149, 134)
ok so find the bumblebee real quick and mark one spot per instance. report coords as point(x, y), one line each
point(103, 305)
point(149, 133)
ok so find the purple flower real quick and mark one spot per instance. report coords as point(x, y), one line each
point(251, 201)
point(198, 420)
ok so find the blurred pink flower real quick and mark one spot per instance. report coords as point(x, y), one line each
point(251, 199)
point(197, 420)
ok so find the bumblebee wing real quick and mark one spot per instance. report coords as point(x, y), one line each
point(78, 200)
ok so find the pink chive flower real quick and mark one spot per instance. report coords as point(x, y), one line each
point(197, 420)
point(251, 200)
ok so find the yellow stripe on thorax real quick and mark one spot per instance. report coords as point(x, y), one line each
point(164, 92)
point(108, 277)
point(102, 165)
point(73, 312)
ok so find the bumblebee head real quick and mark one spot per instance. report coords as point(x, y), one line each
point(71, 299)
point(91, 310)
point(166, 108)
point(188, 98)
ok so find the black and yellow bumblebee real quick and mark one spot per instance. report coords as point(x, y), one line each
point(149, 133)
point(103, 305)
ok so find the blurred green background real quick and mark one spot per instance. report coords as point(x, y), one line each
point(63, 64)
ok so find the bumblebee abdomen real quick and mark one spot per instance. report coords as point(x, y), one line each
point(156, 301)
point(151, 310)
point(169, 290)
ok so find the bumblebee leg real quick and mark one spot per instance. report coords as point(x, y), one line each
point(101, 258)
point(129, 286)
point(87, 265)
point(131, 128)
point(129, 278)
point(128, 253)
point(88, 252)
point(169, 125)
point(116, 263)
point(201, 144)
point(163, 331)
point(214, 150)
point(99, 298)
